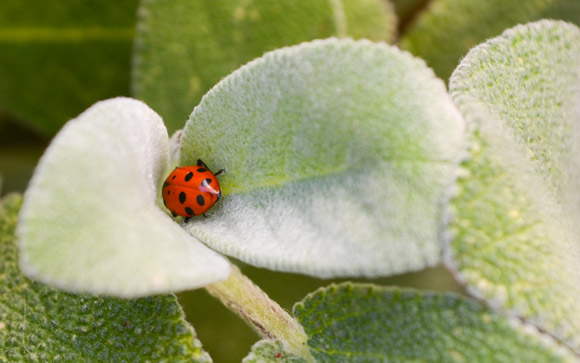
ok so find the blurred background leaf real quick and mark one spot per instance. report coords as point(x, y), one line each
point(20, 149)
point(59, 57)
point(185, 47)
point(447, 29)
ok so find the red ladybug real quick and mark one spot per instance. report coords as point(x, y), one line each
point(191, 190)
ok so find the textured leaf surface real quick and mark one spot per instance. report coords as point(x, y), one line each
point(449, 28)
point(185, 47)
point(59, 57)
point(368, 323)
point(90, 221)
point(271, 351)
point(518, 204)
point(339, 155)
point(41, 324)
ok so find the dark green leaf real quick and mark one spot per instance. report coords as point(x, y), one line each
point(367, 323)
point(59, 57)
point(41, 324)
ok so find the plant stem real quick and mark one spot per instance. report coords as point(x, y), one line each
point(264, 315)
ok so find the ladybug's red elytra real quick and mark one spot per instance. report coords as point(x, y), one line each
point(191, 190)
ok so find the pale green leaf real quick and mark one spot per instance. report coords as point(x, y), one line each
point(339, 156)
point(271, 351)
point(449, 28)
point(185, 47)
point(367, 323)
point(59, 57)
point(515, 225)
point(41, 324)
point(90, 221)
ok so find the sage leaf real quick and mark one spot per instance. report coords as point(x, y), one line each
point(515, 231)
point(91, 221)
point(38, 323)
point(363, 322)
point(340, 157)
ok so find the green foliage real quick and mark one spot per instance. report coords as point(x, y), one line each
point(41, 324)
point(342, 158)
point(515, 224)
point(271, 351)
point(327, 174)
point(90, 220)
point(358, 322)
point(59, 57)
point(185, 47)
point(449, 28)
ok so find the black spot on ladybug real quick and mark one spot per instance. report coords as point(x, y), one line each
point(173, 177)
point(168, 192)
point(201, 170)
point(200, 200)
point(188, 176)
point(182, 197)
point(189, 211)
point(165, 183)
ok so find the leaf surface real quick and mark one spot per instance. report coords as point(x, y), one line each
point(267, 350)
point(339, 156)
point(90, 220)
point(515, 214)
point(38, 323)
point(361, 322)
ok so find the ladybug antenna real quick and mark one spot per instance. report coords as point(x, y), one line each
point(201, 163)
point(220, 172)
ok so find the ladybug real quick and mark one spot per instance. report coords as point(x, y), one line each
point(191, 190)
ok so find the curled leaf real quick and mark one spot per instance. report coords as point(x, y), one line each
point(90, 221)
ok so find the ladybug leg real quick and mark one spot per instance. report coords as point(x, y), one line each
point(173, 214)
point(186, 219)
point(205, 216)
point(220, 172)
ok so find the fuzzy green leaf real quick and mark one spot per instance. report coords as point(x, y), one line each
point(368, 323)
point(185, 47)
point(271, 351)
point(59, 57)
point(90, 220)
point(515, 222)
point(41, 324)
point(449, 28)
point(339, 155)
